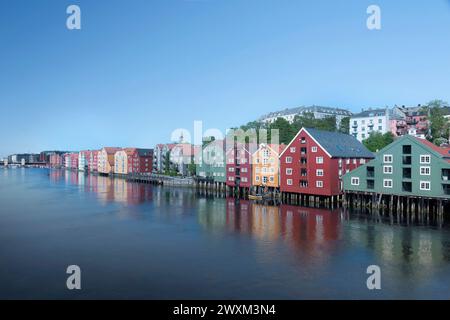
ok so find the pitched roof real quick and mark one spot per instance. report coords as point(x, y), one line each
point(443, 151)
point(340, 145)
point(111, 149)
point(371, 113)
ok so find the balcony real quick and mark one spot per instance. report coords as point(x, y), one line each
point(446, 175)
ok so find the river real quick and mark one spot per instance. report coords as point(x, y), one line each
point(151, 242)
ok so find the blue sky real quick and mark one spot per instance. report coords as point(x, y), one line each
point(139, 69)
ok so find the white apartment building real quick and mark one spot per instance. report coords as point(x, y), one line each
point(366, 122)
point(319, 113)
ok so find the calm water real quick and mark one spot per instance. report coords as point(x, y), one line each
point(141, 241)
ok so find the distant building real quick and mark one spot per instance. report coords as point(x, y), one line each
point(161, 157)
point(56, 159)
point(93, 160)
point(106, 160)
point(182, 155)
point(211, 162)
point(26, 158)
point(83, 160)
point(318, 111)
point(133, 160)
point(369, 121)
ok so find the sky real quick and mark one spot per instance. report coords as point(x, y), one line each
point(139, 69)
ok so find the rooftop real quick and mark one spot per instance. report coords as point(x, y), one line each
point(299, 110)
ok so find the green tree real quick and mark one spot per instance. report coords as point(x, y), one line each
point(344, 126)
point(377, 141)
point(191, 168)
point(305, 120)
point(326, 124)
point(439, 125)
point(286, 130)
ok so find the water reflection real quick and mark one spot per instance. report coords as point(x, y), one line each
point(314, 239)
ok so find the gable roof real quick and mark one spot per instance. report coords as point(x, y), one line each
point(371, 113)
point(112, 150)
point(443, 151)
point(336, 144)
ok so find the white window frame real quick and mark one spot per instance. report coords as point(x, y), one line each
point(292, 149)
point(289, 182)
point(319, 173)
point(319, 184)
point(354, 181)
point(289, 171)
point(391, 183)
point(319, 160)
point(288, 159)
point(422, 182)
point(385, 156)
point(425, 168)
point(386, 172)
point(425, 156)
point(314, 149)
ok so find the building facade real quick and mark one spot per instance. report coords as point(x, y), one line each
point(93, 161)
point(266, 165)
point(238, 165)
point(133, 160)
point(314, 162)
point(83, 160)
point(318, 111)
point(409, 166)
point(106, 160)
point(210, 163)
point(161, 157)
point(369, 121)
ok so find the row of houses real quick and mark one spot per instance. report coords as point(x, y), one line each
point(329, 164)
point(108, 160)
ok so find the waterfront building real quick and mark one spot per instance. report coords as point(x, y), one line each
point(74, 160)
point(23, 158)
point(93, 161)
point(106, 160)
point(315, 160)
point(182, 155)
point(133, 160)
point(210, 164)
point(161, 157)
point(56, 160)
point(318, 111)
point(83, 160)
point(238, 166)
point(67, 160)
point(409, 166)
point(266, 165)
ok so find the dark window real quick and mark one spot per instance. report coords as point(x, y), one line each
point(303, 161)
point(407, 160)
point(370, 172)
point(303, 173)
point(406, 173)
point(303, 183)
point(406, 186)
point(407, 149)
point(303, 150)
point(370, 184)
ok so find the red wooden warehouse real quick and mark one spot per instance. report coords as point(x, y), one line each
point(238, 166)
point(315, 160)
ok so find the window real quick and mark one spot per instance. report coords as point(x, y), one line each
point(292, 149)
point(387, 183)
point(244, 179)
point(244, 169)
point(319, 184)
point(425, 171)
point(425, 159)
point(319, 160)
point(230, 178)
point(289, 182)
point(362, 161)
point(380, 120)
point(387, 169)
point(230, 169)
point(354, 161)
point(289, 171)
point(271, 179)
point(288, 159)
point(257, 178)
point(425, 185)
point(303, 140)
point(264, 179)
point(319, 172)
point(387, 158)
point(355, 181)
point(258, 170)
point(313, 149)
point(347, 161)
point(380, 128)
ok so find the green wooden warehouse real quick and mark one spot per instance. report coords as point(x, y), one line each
point(210, 168)
point(409, 168)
